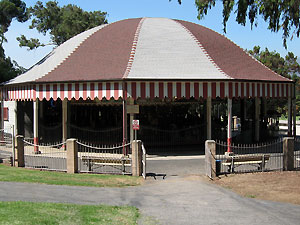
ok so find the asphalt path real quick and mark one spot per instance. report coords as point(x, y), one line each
point(173, 200)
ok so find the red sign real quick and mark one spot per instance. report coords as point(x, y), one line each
point(135, 124)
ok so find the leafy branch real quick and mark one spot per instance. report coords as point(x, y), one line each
point(62, 23)
point(278, 14)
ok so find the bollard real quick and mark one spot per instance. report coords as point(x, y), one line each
point(288, 154)
point(72, 156)
point(19, 157)
point(136, 163)
point(210, 150)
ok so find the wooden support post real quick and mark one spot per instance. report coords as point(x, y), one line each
point(16, 118)
point(294, 119)
point(72, 156)
point(208, 118)
point(136, 161)
point(290, 116)
point(130, 102)
point(264, 111)
point(124, 95)
point(257, 119)
point(36, 125)
point(294, 111)
point(41, 111)
point(229, 124)
point(243, 113)
point(132, 109)
point(64, 120)
point(19, 157)
point(288, 154)
point(131, 118)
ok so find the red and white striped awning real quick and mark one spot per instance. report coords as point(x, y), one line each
point(144, 90)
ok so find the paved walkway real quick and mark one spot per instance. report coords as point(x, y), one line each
point(180, 200)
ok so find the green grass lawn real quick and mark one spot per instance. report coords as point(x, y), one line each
point(13, 174)
point(26, 213)
point(285, 117)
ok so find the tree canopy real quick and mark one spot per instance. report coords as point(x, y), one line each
point(61, 23)
point(8, 69)
point(287, 66)
point(280, 15)
point(9, 10)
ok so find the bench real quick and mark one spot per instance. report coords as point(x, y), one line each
point(238, 160)
point(90, 161)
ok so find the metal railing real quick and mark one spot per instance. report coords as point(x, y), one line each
point(7, 142)
point(271, 155)
point(113, 159)
point(297, 153)
point(51, 156)
point(105, 136)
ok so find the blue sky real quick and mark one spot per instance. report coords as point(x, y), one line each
point(123, 9)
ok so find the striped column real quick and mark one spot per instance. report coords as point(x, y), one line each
point(36, 125)
point(257, 119)
point(243, 105)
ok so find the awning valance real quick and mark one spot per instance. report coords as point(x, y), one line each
point(155, 89)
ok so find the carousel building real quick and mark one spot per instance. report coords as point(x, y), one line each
point(176, 77)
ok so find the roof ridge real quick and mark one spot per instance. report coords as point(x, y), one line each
point(133, 49)
point(203, 49)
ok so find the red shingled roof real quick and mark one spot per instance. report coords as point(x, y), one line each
point(105, 55)
point(233, 60)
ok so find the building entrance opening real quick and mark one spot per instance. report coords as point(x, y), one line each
point(174, 128)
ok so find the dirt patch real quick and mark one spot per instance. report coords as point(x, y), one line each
point(274, 186)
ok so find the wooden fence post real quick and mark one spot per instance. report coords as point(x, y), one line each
point(288, 154)
point(72, 156)
point(19, 157)
point(210, 152)
point(136, 163)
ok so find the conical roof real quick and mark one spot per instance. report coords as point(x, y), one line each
point(148, 49)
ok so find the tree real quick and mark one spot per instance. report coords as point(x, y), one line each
point(61, 23)
point(9, 10)
point(287, 66)
point(8, 69)
point(280, 15)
